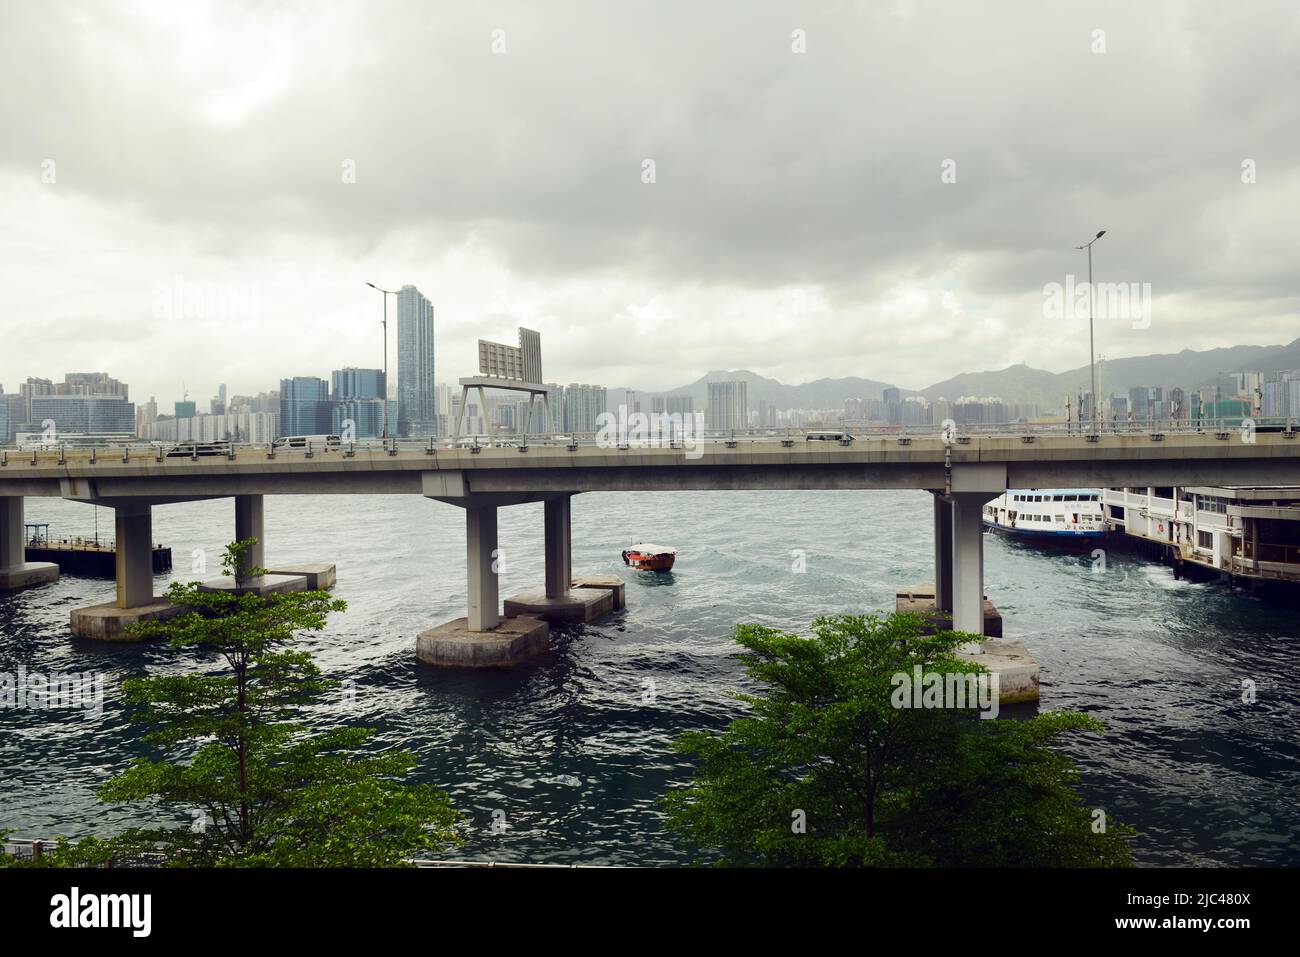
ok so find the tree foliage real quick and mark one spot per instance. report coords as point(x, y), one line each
point(826, 771)
point(260, 788)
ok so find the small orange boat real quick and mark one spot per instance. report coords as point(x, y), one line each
point(651, 558)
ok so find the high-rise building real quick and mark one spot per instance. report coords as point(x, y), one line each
point(259, 428)
point(357, 404)
point(417, 410)
point(1280, 394)
point(262, 402)
point(352, 383)
point(304, 406)
point(1139, 402)
point(91, 383)
point(76, 384)
point(674, 403)
point(354, 419)
point(146, 415)
point(1177, 405)
point(728, 406)
point(893, 399)
point(84, 414)
point(580, 406)
point(13, 415)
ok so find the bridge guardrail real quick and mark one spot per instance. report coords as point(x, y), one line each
point(159, 452)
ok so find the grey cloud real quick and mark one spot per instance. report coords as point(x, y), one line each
point(773, 168)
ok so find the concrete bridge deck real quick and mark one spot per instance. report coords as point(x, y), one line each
point(978, 463)
point(962, 475)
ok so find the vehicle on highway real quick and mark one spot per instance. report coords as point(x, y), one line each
point(191, 449)
point(828, 435)
point(303, 441)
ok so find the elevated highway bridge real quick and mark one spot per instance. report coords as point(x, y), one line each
point(962, 473)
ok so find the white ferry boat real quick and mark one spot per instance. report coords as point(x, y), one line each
point(1048, 513)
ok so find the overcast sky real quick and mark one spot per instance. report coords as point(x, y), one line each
point(274, 157)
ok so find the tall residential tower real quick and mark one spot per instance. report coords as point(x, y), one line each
point(417, 408)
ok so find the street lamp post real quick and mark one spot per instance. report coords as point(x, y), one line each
point(386, 294)
point(1092, 364)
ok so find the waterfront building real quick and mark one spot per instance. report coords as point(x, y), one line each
point(353, 383)
point(304, 406)
point(976, 410)
point(417, 410)
point(582, 406)
point(357, 404)
point(146, 414)
point(91, 383)
point(940, 410)
point(674, 403)
point(262, 402)
point(1177, 405)
point(83, 413)
point(357, 419)
point(728, 406)
point(259, 428)
point(13, 416)
point(1280, 395)
point(1234, 532)
point(893, 406)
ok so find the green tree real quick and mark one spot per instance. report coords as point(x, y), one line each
point(262, 789)
point(826, 771)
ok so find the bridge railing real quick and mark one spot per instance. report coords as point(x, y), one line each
point(49, 452)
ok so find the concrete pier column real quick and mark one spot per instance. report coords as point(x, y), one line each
point(134, 555)
point(136, 601)
point(968, 565)
point(559, 546)
point(11, 531)
point(942, 553)
point(481, 558)
point(249, 523)
point(15, 570)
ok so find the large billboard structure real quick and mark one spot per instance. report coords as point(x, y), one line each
point(513, 368)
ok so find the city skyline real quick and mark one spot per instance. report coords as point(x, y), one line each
point(349, 403)
point(227, 220)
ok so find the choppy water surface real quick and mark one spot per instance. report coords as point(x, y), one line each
point(574, 748)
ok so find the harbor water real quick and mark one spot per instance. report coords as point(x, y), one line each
point(564, 760)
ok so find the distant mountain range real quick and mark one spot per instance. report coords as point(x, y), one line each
point(1017, 383)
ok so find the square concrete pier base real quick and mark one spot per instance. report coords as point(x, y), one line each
point(1009, 659)
point(1016, 668)
point(919, 599)
point(108, 622)
point(28, 573)
point(261, 586)
point(453, 645)
point(319, 576)
point(576, 604)
point(611, 582)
